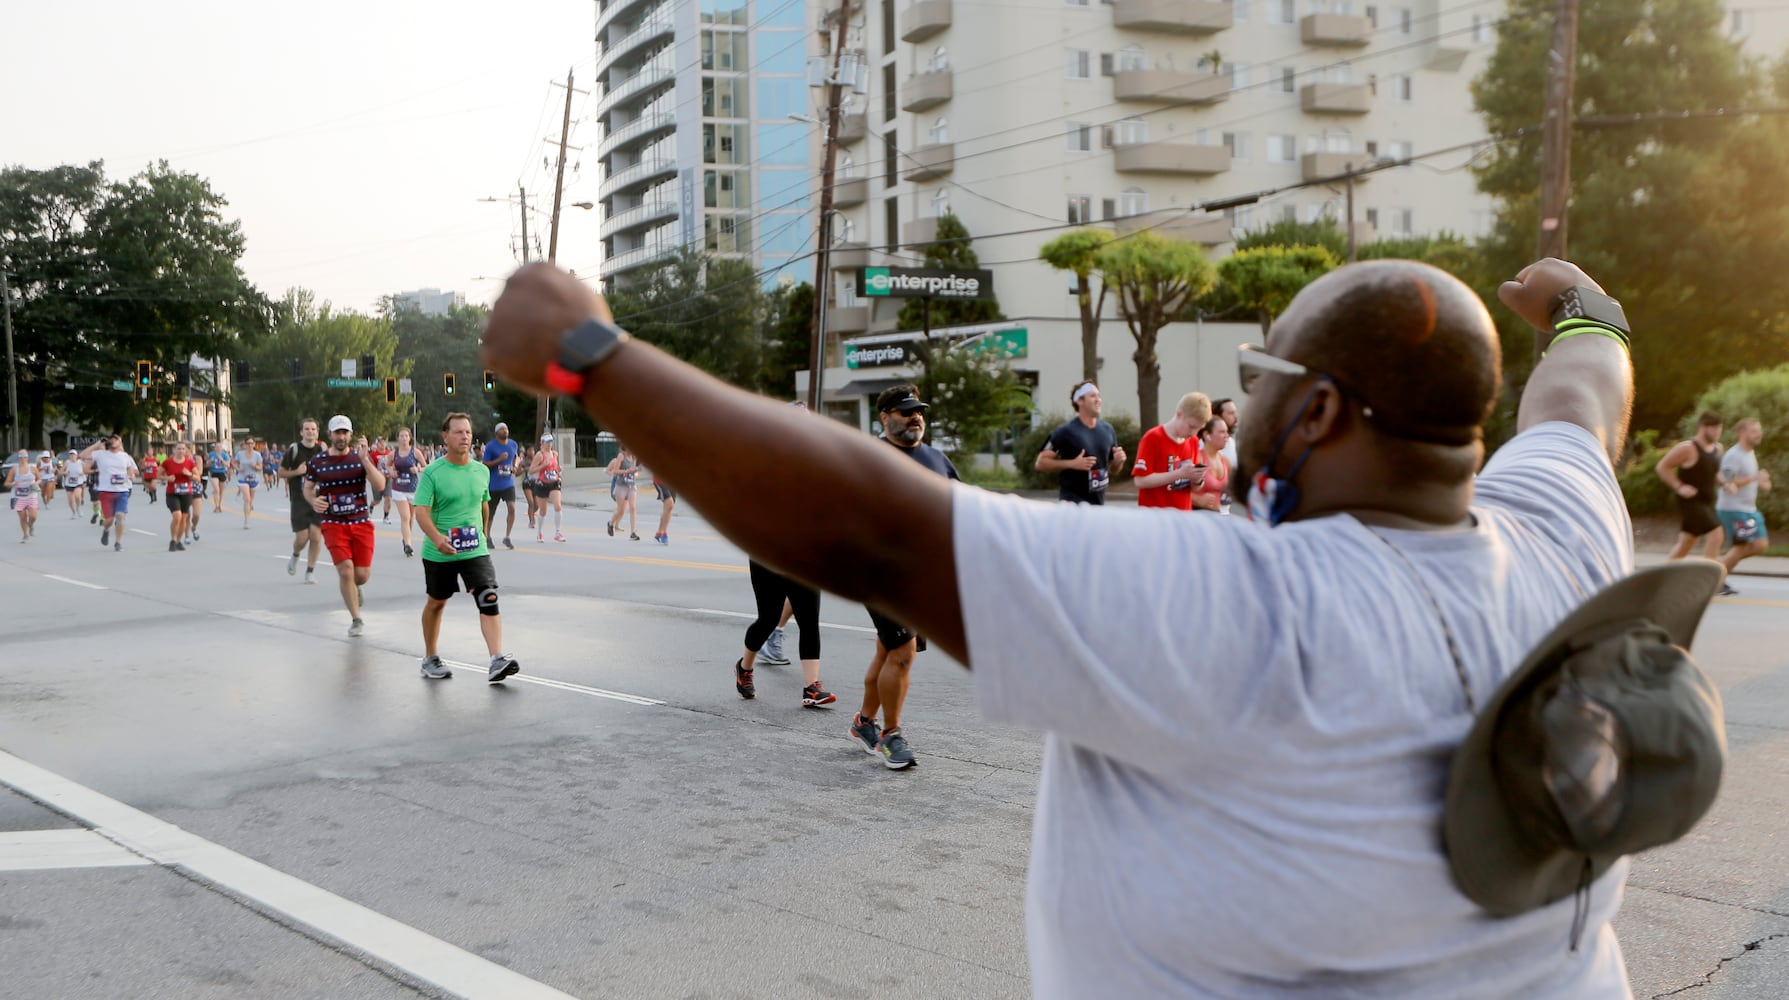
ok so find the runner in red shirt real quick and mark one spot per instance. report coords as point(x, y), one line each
point(335, 483)
point(381, 456)
point(181, 471)
point(1170, 462)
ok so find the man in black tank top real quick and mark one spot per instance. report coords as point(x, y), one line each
point(1691, 469)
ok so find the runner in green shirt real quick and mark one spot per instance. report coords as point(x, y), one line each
point(450, 509)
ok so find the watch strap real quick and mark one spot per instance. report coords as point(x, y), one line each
point(582, 348)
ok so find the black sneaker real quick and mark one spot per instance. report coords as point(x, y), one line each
point(408, 552)
point(742, 680)
point(864, 731)
point(93, 520)
point(117, 546)
point(105, 538)
point(1727, 590)
point(178, 547)
point(895, 753)
point(507, 543)
point(813, 696)
point(611, 531)
point(173, 546)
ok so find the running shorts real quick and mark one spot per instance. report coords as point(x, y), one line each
point(402, 496)
point(180, 503)
point(893, 634)
point(1697, 516)
point(508, 493)
point(349, 542)
point(1744, 526)
point(111, 504)
point(544, 490)
point(665, 492)
point(28, 501)
point(443, 579)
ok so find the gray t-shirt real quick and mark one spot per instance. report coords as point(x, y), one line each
point(1737, 464)
point(1242, 788)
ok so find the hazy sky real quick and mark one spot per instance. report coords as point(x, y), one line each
point(352, 139)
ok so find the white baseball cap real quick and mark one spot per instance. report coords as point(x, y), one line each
point(545, 438)
point(340, 423)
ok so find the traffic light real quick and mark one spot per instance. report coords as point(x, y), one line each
point(366, 366)
point(238, 373)
point(490, 380)
point(144, 376)
point(447, 383)
point(183, 374)
point(391, 390)
point(297, 369)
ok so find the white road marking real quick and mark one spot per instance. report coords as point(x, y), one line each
point(485, 669)
point(750, 617)
point(35, 850)
point(140, 531)
point(400, 946)
point(78, 583)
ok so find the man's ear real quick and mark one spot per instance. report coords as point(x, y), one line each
point(1326, 417)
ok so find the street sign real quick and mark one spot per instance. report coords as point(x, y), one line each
point(354, 383)
point(349, 368)
point(123, 385)
point(404, 386)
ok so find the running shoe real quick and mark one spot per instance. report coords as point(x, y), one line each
point(179, 547)
point(387, 519)
point(742, 680)
point(503, 665)
point(356, 627)
point(292, 565)
point(194, 538)
point(813, 696)
point(865, 733)
point(894, 751)
point(541, 535)
point(507, 543)
point(408, 551)
point(93, 520)
point(105, 538)
point(772, 650)
point(310, 576)
point(558, 536)
point(1727, 590)
point(633, 535)
point(117, 546)
point(173, 546)
point(662, 539)
point(611, 530)
point(434, 669)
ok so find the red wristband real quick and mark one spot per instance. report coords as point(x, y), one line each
point(564, 381)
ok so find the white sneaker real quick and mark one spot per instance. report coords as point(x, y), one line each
point(503, 665)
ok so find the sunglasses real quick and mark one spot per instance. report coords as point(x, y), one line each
point(1253, 362)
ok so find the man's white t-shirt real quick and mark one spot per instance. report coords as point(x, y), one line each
point(1242, 789)
point(1736, 464)
point(112, 471)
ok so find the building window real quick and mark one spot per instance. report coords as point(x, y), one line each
point(1080, 64)
point(1739, 24)
point(1080, 137)
point(1133, 201)
point(1401, 221)
point(940, 133)
point(1337, 142)
point(1242, 217)
point(1372, 14)
point(1288, 213)
point(1108, 208)
point(724, 144)
point(1483, 30)
point(1373, 217)
point(1238, 145)
point(1238, 74)
point(1404, 19)
point(1080, 209)
point(1282, 11)
point(940, 203)
point(1405, 87)
point(1288, 80)
point(1131, 58)
point(846, 233)
point(1399, 149)
point(1281, 148)
point(1132, 131)
point(1239, 10)
point(940, 60)
point(1080, 3)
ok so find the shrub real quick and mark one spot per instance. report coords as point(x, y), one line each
point(1644, 490)
point(1764, 395)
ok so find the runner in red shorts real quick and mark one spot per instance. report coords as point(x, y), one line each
point(335, 484)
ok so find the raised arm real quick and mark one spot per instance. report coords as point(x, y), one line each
point(842, 512)
point(1586, 380)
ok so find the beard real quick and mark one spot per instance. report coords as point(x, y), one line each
point(907, 436)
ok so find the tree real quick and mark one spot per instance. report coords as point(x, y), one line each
point(1666, 213)
point(1076, 251)
point(787, 332)
point(105, 274)
point(951, 250)
point(1264, 279)
point(437, 345)
point(1323, 232)
point(973, 395)
point(702, 309)
point(271, 404)
point(1153, 277)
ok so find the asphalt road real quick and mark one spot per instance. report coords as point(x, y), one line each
point(287, 812)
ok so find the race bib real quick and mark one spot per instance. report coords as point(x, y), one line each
point(503, 470)
point(341, 504)
point(1097, 480)
point(463, 539)
point(406, 483)
point(23, 490)
point(182, 489)
point(1745, 529)
point(119, 479)
point(1178, 485)
point(549, 475)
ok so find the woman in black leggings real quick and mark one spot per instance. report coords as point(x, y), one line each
point(770, 589)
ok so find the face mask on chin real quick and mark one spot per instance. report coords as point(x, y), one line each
point(1271, 500)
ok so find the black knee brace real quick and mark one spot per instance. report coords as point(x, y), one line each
point(487, 600)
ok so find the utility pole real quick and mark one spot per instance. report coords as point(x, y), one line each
point(540, 405)
point(523, 193)
point(1556, 134)
point(12, 372)
point(823, 263)
point(1351, 170)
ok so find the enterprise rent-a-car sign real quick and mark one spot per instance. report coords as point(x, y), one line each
point(925, 283)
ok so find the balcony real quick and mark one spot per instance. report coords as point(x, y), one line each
point(849, 192)
point(1209, 230)
point(930, 162)
point(644, 80)
point(852, 128)
point(847, 319)
point(639, 128)
point(635, 175)
point(1336, 30)
point(919, 232)
point(637, 258)
point(1186, 17)
point(926, 90)
point(924, 18)
point(1315, 165)
point(848, 256)
point(657, 24)
point(639, 215)
point(613, 9)
point(1168, 87)
point(1180, 158)
point(1335, 98)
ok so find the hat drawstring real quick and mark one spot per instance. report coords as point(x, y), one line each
point(1581, 903)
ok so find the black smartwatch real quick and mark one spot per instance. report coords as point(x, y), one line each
point(1581, 302)
point(582, 348)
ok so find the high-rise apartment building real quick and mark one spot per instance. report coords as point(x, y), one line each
point(698, 146)
point(431, 301)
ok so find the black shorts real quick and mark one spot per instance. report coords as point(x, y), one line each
point(180, 503)
point(665, 492)
point(508, 493)
point(544, 490)
point(222, 477)
point(303, 517)
point(894, 635)
point(1698, 516)
point(442, 579)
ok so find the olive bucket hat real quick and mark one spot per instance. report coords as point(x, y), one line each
point(1606, 741)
